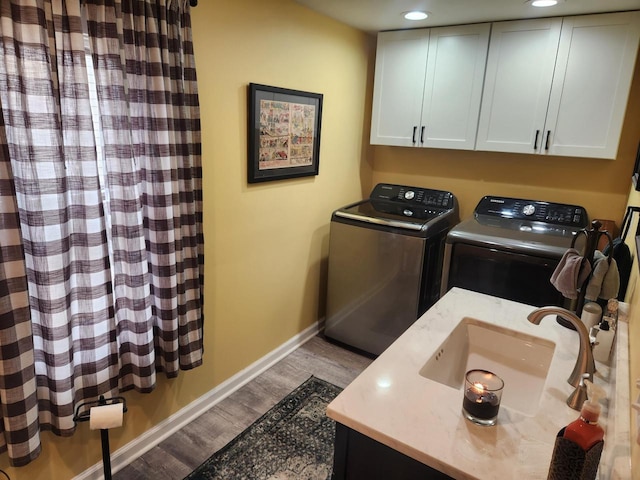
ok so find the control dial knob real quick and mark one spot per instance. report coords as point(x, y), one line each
point(529, 210)
point(409, 195)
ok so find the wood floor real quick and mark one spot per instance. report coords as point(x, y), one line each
point(181, 453)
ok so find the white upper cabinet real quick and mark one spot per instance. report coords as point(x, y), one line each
point(519, 75)
point(591, 84)
point(428, 86)
point(401, 65)
point(559, 88)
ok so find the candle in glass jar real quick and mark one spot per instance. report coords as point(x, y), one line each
point(482, 394)
point(481, 403)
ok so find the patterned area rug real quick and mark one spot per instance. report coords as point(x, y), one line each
point(292, 441)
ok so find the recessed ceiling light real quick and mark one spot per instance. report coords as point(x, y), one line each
point(544, 3)
point(416, 15)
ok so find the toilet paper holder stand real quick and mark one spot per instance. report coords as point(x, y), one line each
point(83, 414)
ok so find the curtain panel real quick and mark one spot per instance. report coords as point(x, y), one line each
point(101, 207)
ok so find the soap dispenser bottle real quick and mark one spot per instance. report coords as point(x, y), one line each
point(578, 447)
point(604, 341)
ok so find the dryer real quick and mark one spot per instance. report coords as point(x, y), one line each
point(511, 247)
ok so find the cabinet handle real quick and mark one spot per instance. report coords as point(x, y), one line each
point(546, 143)
point(535, 143)
point(413, 139)
point(422, 134)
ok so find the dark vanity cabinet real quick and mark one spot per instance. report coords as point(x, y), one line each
point(358, 457)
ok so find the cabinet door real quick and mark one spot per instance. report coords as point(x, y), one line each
point(453, 86)
point(518, 81)
point(401, 61)
point(591, 84)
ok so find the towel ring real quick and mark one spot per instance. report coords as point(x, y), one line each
point(593, 236)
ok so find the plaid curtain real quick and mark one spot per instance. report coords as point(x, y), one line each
point(101, 207)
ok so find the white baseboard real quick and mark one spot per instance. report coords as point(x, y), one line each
point(152, 437)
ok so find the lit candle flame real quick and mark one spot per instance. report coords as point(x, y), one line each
point(478, 388)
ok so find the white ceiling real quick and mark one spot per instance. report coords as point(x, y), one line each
point(376, 15)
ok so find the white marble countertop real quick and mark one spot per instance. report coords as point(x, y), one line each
point(392, 403)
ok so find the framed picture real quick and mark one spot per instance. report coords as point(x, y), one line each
point(636, 171)
point(284, 133)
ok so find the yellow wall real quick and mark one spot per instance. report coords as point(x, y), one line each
point(266, 244)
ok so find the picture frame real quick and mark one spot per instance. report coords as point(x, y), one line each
point(284, 133)
point(636, 171)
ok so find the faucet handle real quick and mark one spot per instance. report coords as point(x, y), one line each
point(579, 395)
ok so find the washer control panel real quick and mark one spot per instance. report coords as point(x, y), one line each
point(417, 209)
point(533, 210)
point(412, 196)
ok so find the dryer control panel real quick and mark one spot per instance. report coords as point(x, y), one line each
point(533, 210)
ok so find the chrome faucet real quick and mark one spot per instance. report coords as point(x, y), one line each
point(584, 362)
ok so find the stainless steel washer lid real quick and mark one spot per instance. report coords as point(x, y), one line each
point(521, 226)
point(414, 209)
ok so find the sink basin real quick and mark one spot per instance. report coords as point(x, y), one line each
point(520, 359)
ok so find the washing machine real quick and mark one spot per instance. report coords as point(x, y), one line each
point(385, 263)
point(511, 247)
